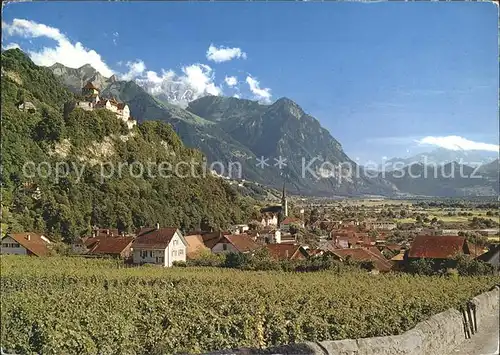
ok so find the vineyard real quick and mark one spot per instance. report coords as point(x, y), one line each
point(79, 306)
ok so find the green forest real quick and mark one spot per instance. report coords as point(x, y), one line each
point(83, 142)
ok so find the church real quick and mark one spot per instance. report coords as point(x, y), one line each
point(92, 101)
point(272, 216)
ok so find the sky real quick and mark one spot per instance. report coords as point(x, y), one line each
point(387, 79)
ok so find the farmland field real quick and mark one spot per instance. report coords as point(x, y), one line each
point(72, 306)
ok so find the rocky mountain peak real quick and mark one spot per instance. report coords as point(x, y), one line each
point(289, 106)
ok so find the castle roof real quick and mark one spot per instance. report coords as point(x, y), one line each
point(91, 86)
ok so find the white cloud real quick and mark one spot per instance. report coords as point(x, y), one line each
point(458, 143)
point(196, 80)
point(263, 95)
point(231, 81)
point(73, 55)
point(136, 69)
point(11, 46)
point(224, 54)
point(179, 87)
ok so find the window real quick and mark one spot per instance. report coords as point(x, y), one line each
point(10, 245)
point(224, 246)
point(144, 254)
point(174, 252)
point(175, 242)
point(150, 253)
point(181, 252)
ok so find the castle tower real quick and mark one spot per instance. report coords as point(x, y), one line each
point(90, 90)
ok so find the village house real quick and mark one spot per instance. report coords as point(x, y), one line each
point(112, 246)
point(195, 246)
point(239, 228)
point(441, 248)
point(240, 243)
point(287, 251)
point(159, 246)
point(350, 238)
point(28, 243)
point(390, 248)
point(269, 219)
point(350, 222)
point(289, 221)
point(212, 238)
point(287, 238)
point(272, 236)
point(380, 264)
point(386, 225)
point(92, 101)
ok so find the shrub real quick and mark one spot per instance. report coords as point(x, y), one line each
point(421, 267)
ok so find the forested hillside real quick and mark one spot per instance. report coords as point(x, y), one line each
point(86, 143)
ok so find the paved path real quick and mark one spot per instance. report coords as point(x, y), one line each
point(485, 342)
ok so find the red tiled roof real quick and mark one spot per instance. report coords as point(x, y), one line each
point(437, 247)
point(90, 242)
point(377, 252)
point(113, 101)
point(111, 245)
point(195, 245)
point(241, 242)
point(289, 220)
point(152, 238)
point(212, 238)
point(359, 254)
point(475, 250)
point(286, 251)
point(36, 245)
point(101, 103)
point(392, 247)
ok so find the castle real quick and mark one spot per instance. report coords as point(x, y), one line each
point(92, 101)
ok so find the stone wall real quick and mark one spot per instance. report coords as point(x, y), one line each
point(437, 335)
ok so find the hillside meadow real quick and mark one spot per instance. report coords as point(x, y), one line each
point(68, 305)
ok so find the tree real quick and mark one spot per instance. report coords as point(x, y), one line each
point(468, 266)
point(50, 127)
point(421, 267)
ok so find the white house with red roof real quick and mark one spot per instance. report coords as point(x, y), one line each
point(27, 243)
point(159, 246)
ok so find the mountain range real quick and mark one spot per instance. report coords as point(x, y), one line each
point(274, 144)
point(441, 156)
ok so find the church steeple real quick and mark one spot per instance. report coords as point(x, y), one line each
point(284, 203)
